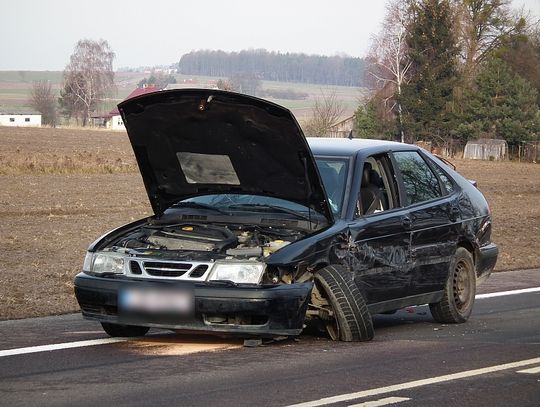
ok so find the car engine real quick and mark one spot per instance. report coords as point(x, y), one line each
point(216, 241)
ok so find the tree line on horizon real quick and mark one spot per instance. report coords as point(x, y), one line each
point(88, 78)
point(275, 66)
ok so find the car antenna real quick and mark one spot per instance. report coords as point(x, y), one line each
point(350, 135)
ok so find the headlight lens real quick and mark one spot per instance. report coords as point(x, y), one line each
point(87, 265)
point(107, 263)
point(240, 273)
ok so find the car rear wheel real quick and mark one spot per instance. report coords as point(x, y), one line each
point(115, 330)
point(340, 305)
point(457, 303)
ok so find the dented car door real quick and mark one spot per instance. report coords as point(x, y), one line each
point(433, 219)
point(380, 233)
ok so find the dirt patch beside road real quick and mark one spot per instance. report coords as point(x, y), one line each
point(46, 224)
point(50, 212)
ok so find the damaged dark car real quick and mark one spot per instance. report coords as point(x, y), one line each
point(258, 231)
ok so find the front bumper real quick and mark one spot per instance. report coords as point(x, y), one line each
point(258, 311)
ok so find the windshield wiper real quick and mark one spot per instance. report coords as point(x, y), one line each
point(266, 208)
point(199, 205)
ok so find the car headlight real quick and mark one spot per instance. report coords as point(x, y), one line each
point(240, 273)
point(87, 265)
point(101, 263)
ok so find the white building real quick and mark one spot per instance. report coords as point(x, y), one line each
point(117, 123)
point(20, 119)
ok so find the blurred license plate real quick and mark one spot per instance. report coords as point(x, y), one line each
point(153, 300)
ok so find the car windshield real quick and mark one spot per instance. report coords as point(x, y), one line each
point(333, 172)
point(334, 176)
point(255, 203)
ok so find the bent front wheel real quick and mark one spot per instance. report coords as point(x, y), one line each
point(341, 305)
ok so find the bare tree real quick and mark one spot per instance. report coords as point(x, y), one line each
point(226, 85)
point(43, 100)
point(247, 83)
point(325, 114)
point(88, 77)
point(389, 61)
point(70, 105)
point(484, 26)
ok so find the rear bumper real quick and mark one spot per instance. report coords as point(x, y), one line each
point(272, 311)
point(487, 258)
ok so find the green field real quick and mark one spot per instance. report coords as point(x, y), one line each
point(15, 87)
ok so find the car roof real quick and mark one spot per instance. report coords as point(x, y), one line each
point(349, 147)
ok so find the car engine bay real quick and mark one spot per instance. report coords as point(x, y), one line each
point(206, 241)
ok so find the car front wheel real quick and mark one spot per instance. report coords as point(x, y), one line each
point(341, 306)
point(116, 330)
point(457, 303)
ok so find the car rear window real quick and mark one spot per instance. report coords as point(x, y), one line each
point(447, 183)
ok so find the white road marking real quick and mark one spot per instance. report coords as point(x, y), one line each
point(532, 370)
point(145, 345)
point(58, 346)
point(104, 341)
point(381, 402)
point(512, 292)
point(416, 383)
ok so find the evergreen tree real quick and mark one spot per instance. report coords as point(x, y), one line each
point(502, 105)
point(523, 56)
point(365, 121)
point(432, 49)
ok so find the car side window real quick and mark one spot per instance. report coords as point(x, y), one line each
point(421, 184)
point(446, 182)
point(378, 191)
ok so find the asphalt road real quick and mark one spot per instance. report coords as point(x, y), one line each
point(494, 360)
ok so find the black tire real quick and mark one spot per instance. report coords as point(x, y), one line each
point(116, 330)
point(457, 303)
point(351, 318)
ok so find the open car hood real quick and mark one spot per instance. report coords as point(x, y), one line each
point(193, 142)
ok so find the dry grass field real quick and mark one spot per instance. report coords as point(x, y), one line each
point(60, 189)
point(15, 89)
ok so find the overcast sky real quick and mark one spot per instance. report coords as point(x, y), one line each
point(40, 35)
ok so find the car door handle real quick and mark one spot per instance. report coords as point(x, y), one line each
point(406, 222)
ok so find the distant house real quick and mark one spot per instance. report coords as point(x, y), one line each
point(113, 120)
point(23, 118)
point(486, 149)
point(343, 128)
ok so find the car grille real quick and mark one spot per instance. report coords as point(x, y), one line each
point(168, 269)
